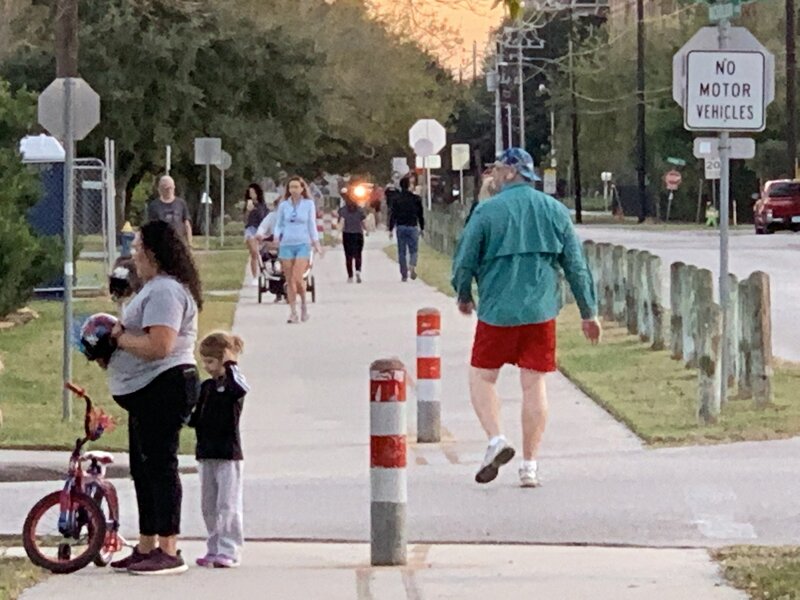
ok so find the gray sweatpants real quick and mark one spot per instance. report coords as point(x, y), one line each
point(222, 504)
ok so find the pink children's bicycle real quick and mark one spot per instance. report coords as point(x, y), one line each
point(79, 524)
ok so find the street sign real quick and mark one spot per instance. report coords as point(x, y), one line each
point(225, 161)
point(207, 151)
point(427, 137)
point(85, 108)
point(725, 90)
point(550, 181)
point(708, 147)
point(672, 180)
point(713, 168)
point(718, 12)
point(707, 38)
point(678, 162)
point(459, 154)
point(429, 162)
point(606, 176)
point(400, 165)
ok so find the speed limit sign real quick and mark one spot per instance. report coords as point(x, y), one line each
point(713, 168)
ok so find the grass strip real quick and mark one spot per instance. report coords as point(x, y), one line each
point(765, 573)
point(649, 392)
point(30, 386)
point(17, 574)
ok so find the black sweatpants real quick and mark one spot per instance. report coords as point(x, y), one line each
point(156, 414)
point(353, 247)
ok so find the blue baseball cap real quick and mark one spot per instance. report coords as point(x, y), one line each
point(521, 161)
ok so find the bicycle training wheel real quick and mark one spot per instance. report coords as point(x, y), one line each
point(72, 546)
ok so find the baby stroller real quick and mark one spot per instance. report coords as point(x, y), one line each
point(271, 278)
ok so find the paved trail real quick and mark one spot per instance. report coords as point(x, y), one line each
point(306, 447)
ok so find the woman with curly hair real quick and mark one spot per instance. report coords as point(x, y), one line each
point(153, 375)
point(296, 231)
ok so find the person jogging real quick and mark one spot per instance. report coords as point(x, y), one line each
point(514, 246)
point(408, 216)
point(351, 220)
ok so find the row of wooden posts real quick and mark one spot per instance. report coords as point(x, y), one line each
point(629, 291)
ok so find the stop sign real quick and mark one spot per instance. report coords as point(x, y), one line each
point(427, 137)
point(672, 180)
point(84, 106)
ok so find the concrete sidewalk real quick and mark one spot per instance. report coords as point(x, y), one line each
point(289, 571)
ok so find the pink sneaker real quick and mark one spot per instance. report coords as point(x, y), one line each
point(225, 562)
point(206, 561)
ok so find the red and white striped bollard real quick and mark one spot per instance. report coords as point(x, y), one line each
point(429, 376)
point(388, 485)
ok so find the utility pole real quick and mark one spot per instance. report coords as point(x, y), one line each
point(791, 88)
point(576, 159)
point(521, 92)
point(498, 110)
point(66, 38)
point(641, 149)
point(474, 61)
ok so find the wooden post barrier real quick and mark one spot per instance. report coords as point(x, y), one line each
point(732, 335)
point(643, 304)
point(709, 369)
point(607, 279)
point(656, 304)
point(619, 266)
point(758, 316)
point(689, 316)
point(631, 303)
point(676, 280)
point(703, 296)
point(744, 367)
point(591, 255)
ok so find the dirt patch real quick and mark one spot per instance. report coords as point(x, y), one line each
point(19, 317)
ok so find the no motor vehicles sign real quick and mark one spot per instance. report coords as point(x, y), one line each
point(725, 90)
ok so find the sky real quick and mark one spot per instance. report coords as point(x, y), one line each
point(473, 22)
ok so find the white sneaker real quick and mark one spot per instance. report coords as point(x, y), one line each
point(528, 474)
point(498, 454)
point(358, 277)
point(254, 282)
point(349, 280)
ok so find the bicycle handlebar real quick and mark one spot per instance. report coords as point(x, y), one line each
point(77, 390)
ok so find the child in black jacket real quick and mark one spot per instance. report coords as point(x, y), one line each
point(219, 449)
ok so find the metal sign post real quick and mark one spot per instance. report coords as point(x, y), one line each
point(69, 109)
point(225, 163)
point(69, 244)
point(724, 79)
point(460, 161)
point(169, 160)
point(207, 151)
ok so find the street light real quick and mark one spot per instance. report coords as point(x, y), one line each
point(543, 90)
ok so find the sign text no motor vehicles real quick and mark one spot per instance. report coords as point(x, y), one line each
point(725, 91)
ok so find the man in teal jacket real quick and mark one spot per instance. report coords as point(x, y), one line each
point(514, 245)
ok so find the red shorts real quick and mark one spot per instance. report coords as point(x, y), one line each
point(531, 347)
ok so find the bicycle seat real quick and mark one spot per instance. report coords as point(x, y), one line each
point(104, 458)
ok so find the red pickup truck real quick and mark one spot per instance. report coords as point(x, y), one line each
point(778, 207)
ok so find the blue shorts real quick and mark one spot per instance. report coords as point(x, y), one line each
point(294, 251)
point(250, 232)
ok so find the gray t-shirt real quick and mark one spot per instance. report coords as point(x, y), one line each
point(176, 213)
point(353, 218)
point(162, 301)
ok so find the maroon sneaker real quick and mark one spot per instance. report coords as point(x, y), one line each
point(159, 562)
point(122, 565)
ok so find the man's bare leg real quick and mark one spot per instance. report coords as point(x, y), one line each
point(487, 406)
point(534, 411)
point(483, 390)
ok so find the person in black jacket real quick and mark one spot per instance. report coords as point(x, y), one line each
point(407, 215)
point(219, 448)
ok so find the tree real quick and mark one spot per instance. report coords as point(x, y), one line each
point(25, 259)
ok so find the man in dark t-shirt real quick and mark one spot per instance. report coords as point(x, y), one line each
point(171, 209)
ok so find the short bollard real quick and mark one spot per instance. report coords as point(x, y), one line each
point(429, 376)
point(389, 495)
